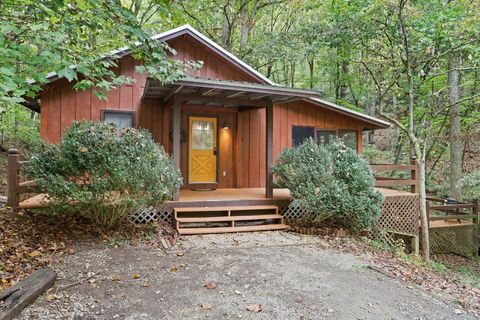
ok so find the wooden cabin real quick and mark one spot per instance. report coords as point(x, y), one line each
point(223, 125)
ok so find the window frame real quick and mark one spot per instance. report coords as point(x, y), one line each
point(117, 111)
point(314, 132)
point(336, 130)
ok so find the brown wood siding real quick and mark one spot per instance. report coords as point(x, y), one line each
point(214, 66)
point(61, 104)
point(151, 118)
point(251, 135)
point(303, 113)
point(251, 152)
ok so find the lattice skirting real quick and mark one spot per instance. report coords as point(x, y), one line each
point(163, 213)
point(462, 240)
point(400, 214)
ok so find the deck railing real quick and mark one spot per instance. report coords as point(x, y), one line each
point(383, 181)
point(460, 211)
point(15, 186)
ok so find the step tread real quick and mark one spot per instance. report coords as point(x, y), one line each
point(230, 218)
point(263, 227)
point(229, 208)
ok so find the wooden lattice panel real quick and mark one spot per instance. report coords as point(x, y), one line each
point(162, 212)
point(400, 214)
point(293, 210)
point(460, 239)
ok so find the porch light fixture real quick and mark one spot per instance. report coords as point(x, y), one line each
point(225, 124)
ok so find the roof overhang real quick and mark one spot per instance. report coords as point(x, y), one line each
point(224, 93)
point(373, 122)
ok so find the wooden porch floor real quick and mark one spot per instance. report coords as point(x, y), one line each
point(219, 195)
point(231, 194)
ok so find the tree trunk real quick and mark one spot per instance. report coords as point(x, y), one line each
point(311, 65)
point(455, 132)
point(422, 190)
point(244, 30)
point(227, 28)
point(343, 80)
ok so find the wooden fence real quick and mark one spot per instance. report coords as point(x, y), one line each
point(15, 186)
point(383, 181)
point(454, 227)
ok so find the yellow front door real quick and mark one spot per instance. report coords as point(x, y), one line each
point(202, 153)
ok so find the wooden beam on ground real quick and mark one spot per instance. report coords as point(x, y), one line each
point(14, 299)
point(269, 151)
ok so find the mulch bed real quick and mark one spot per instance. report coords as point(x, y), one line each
point(321, 231)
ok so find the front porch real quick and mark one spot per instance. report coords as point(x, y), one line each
point(217, 131)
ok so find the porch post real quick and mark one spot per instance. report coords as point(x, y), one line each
point(176, 109)
point(269, 151)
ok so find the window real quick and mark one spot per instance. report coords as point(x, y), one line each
point(300, 134)
point(349, 137)
point(123, 119)
point(324, 137)
point(202, 135)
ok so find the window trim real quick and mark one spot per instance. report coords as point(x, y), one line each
point(314, 131)
point(117, 111)
point(336, 130)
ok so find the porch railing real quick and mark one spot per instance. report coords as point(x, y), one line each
point(390, 181)
point(15, 186)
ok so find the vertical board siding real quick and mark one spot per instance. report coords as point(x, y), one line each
point(83, 105)
point(305, 114)
point(241, 148)
point(62, 105)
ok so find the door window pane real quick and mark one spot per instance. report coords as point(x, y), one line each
point(202, 135)
point(121, 119)
point(349, 138)
point(300, 134)
point(325, 137)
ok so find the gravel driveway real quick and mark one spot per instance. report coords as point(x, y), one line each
point(277, 275)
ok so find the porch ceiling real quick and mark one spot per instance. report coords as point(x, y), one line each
point(224, 93)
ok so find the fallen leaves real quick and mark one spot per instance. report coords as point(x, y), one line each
point(206, 306)
point(30, 241)
point(117, 278)
point(255, 308)
point(135, 276)
point(210, 285)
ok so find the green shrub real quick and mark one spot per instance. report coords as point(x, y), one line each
point(333, 183)
point(470, 184)
point(103, 172)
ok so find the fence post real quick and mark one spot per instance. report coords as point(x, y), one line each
point(414, 175)
point(13, 168)
point(476, 211)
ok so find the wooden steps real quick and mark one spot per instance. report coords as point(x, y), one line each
point(201, 220)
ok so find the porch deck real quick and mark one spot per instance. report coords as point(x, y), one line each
point(218, 197)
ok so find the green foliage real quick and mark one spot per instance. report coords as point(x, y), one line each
point(103, 172)
point(470, 184)
point(332, 182)
point(75, 40)
point(19, 127)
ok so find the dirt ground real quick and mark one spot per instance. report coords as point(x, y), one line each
point(277, 275)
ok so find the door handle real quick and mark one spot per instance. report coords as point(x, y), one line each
point(214, 151)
